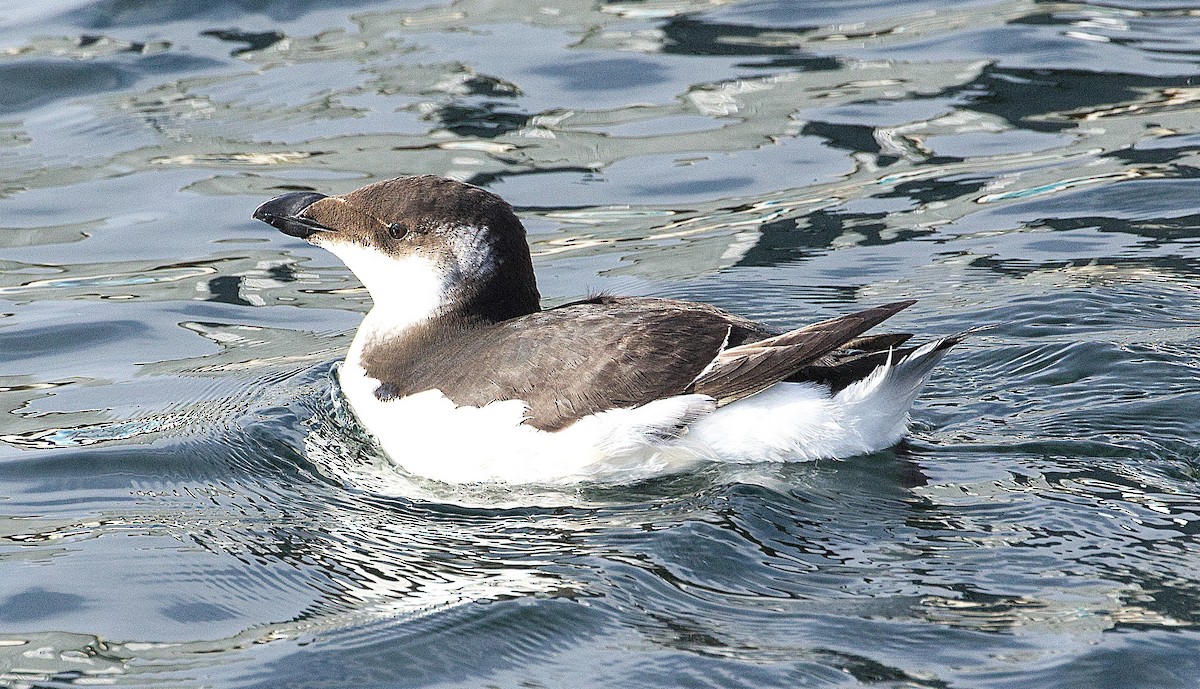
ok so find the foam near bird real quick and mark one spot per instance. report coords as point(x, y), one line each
point(462, 377)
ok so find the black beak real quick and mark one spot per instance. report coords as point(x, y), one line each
point(283, 213)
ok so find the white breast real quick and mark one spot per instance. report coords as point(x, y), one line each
point(406, 290)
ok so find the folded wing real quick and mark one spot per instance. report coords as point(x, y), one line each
point(741, 371)
point(617, 353)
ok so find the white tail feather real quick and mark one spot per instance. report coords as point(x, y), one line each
point(802, 421)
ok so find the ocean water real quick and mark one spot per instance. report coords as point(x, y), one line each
point(184, 502)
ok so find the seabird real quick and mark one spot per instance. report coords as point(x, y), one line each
point(461, 376)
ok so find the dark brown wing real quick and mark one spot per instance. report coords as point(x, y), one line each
point(854, 360)
point(743, 370)
point(606, 353)
point(862, 355)
point(568, 362)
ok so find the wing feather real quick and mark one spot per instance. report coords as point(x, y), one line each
point(605, 353)
point(741, 371)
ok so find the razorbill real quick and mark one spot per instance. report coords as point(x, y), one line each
point(462, 377)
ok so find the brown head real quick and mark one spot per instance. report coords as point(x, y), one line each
point(459, 248)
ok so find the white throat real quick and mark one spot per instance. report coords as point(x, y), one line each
point(406, 291)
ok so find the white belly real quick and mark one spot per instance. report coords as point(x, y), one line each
point(428, 435)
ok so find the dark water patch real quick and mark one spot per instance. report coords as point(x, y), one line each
point(30, 342)
point(1053, 100)
point(38, 604)
point(940, 190)
point(484, 85)
point(34, 83)
point(802, 63)
point(198, 612)
point(1166, 152)
point(114, 13)
point(695, 36)
point(1141, 199)
point(487, 179)
point(787, 240)
point(488, 119)
point(725, 185)
point(254, 40)
point(849, 137)
point(226, 289)
point(605, 74)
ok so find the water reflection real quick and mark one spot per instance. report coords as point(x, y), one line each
point(539, 141)
point(186, 503)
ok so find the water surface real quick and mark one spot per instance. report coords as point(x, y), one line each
point(183, 502)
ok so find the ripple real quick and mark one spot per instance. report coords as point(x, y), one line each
point(188, 503)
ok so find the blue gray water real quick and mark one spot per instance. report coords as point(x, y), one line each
point(184, 503)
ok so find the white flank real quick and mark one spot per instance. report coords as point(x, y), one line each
point(802, 421)
point(428, 435)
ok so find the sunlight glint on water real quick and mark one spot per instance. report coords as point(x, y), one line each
point(184, 503)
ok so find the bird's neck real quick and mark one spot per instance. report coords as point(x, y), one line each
point(417, 297)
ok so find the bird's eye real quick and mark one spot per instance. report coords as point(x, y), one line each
point(397, 230)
